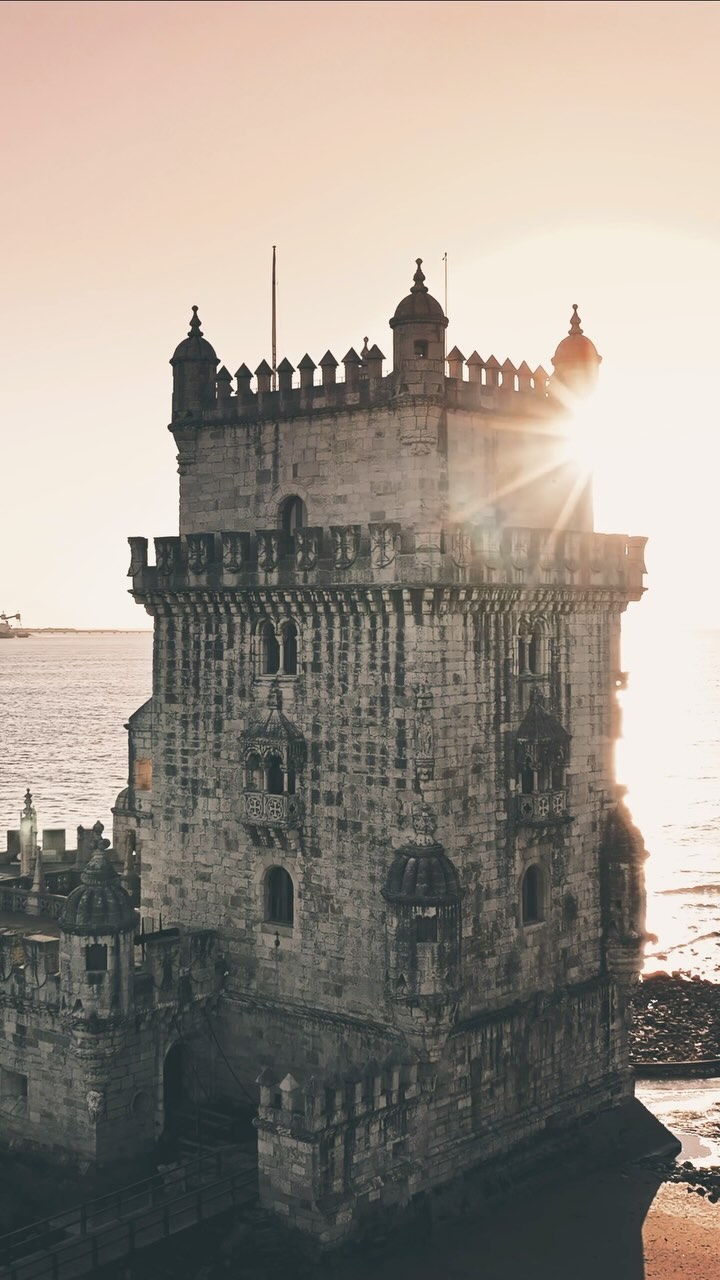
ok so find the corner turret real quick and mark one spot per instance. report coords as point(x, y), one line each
point(194, 363)
point(576, 362)
point(418, 327)
point(97, 941)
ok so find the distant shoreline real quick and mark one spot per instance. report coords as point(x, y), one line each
point(89, 631)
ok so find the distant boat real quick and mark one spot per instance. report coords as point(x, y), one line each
point(8, 632)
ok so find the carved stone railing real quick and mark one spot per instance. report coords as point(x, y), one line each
point(261, 809)
point(540, 807)
point(384, 552)
point(27, 902)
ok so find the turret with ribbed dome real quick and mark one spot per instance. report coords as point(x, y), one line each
point(97, 956)
point(418, 325)
point(100, 904)
point(194, 363)
point(576, 362)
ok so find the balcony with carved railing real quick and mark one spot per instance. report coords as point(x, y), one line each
point(262, 809)
point(540, 807)
point(21, 902)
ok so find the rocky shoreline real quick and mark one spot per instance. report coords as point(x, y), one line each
point(675, 1018)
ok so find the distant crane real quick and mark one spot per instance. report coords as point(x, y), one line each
point(7, 632)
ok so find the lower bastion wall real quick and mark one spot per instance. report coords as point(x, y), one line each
point(341, 1134)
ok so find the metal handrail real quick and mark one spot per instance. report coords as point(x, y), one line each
point(79, 1215)
point(126, 1237)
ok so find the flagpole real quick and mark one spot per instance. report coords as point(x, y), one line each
point(274, 324)
point(446, 282)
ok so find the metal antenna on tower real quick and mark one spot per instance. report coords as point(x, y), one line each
point(274, 324)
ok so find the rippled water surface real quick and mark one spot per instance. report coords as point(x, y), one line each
point(64, 701)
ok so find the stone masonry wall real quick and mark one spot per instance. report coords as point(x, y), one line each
point(343, 465)
point(331, 1150)
point(376, 673)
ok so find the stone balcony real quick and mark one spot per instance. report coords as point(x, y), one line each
point(261, 809)
point(541, 807)
point(384, 553)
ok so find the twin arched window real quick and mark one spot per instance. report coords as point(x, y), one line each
point(279, 897)
point(267, 773)
point(277, 648)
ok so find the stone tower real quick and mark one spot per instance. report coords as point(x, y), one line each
point(381, 751)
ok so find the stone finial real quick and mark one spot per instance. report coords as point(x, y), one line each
point(373, 360)
point(264, 377)
point(365, 352)
point(456, 360)
point(38, 883)
point(492, 367)
point(353, 364)
point(243, 378)
point(424, 824)
point(28, 810)
point(575, 326)
point(224, 384)
point(96, 843)
point(285, 374)
point(307, 371)
point(419, 285)
point(195, 331)
point(329, 365)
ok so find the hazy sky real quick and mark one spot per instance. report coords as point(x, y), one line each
point(152, 154)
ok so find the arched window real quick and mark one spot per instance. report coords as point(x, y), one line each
point(96, 957)
point(269, 650)
point(275, 776)
point(279, 901)
point(292, 514)
point(253, 772)
point(289, 648)
point(421, 349)
point(527, 778)
point(533, 907)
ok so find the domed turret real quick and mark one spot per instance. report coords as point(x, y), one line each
point(423, 895)
point(97, 942)
point(419, 326)
point(422, 876)
point(194, 363)
point(576, 362)
point(99, 905)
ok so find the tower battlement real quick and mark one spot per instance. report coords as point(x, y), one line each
point(384, 553)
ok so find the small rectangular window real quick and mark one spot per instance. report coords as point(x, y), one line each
point(96, 957)
point(426, 928)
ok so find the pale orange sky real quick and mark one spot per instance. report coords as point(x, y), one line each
point(152, 154)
